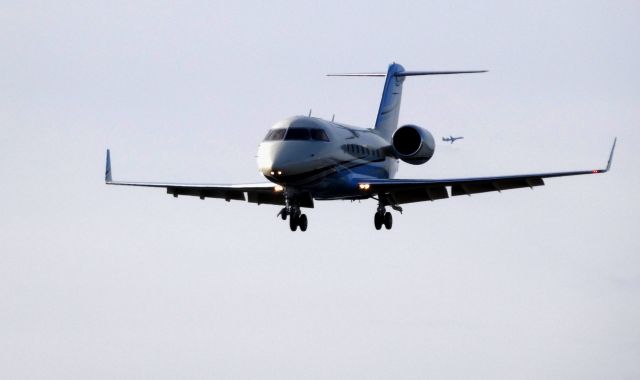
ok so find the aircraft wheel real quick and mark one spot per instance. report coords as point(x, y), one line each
point(283, 215)
point(293, 222)
point(388, 220)
point(378, 219)
point(302, 222)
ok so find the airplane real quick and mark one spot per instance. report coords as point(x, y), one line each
point(452, 139)
point(308, 159)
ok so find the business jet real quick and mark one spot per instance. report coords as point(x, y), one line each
point(308, 159)
point(451, 139)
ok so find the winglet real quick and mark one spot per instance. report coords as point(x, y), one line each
point(611, 155)
point(613, 147)
point(107, 172)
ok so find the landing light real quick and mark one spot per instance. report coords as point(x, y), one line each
point(279, 172)
point(278, 188)
point(272, 172)
point(364, 186)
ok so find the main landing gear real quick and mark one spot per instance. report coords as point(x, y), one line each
point(384, 217)
point(299, 220)
point(296, 218)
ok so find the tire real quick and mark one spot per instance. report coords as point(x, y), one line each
point(283, 215)
point(388, 220)
point(378, 220)
point(302, 222)
point(293, 223)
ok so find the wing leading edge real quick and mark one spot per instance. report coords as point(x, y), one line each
point(417, 190)
point(267, 193)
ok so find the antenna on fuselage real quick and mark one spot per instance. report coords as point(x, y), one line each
point(333, 117)
point(309, 112)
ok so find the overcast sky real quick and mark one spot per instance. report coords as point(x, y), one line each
point(106, 282)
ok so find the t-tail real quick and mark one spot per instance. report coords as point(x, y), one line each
point(389, 111)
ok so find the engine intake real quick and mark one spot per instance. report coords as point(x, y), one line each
point(413, 144)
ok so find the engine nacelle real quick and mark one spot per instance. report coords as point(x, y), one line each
point(413, 145)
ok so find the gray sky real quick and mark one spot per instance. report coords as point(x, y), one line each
point(101, 282)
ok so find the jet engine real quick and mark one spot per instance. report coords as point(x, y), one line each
point(413, 145)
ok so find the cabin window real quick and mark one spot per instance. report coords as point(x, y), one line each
point(275, 134)
point(319, 135)
point(297, 134)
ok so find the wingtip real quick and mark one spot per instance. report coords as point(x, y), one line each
point(107, 172)
point(613, 148)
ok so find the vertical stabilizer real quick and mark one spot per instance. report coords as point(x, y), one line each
point(389, 111)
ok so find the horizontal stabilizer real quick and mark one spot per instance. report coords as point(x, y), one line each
point(406, 73)
point(358, 75)
point(415, 73)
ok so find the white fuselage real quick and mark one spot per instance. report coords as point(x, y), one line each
point(323, 157)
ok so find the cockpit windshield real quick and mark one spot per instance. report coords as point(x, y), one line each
point(297, 134)
point(306, 134)
point(275, 134)
point(314, 134)
point(319, 135)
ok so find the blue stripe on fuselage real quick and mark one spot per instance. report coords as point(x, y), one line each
point(344, 182)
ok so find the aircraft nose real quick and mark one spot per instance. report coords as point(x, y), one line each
point(278, 161)
point(270, 162)
point(278, 167)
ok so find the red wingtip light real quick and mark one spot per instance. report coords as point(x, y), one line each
point(595, 171)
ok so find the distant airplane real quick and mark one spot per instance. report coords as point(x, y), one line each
point(452, 139)
point(309, 159)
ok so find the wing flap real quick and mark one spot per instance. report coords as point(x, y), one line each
point(266, 198)
point(226, 194)
point(419, 194)
point(303, 199)
point(468, 188)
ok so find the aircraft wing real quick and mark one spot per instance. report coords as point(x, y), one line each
point(417, 190)
point(267, 193)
